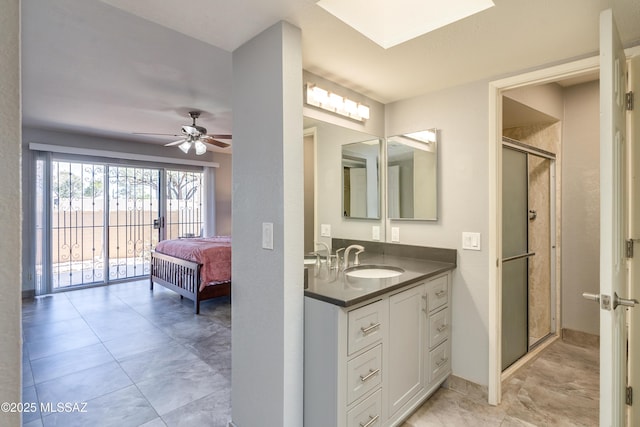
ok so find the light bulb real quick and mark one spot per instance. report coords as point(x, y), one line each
point(185, 146)
point(200, 147)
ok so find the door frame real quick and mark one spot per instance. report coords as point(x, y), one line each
point(496, 89)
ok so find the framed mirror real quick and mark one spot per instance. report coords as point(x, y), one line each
point(412, 176)
point(361, 179)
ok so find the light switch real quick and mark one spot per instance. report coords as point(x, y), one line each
point(325, 230)
point(470, 241)
point(375, 232)
point(395, 234)
point(267, 235)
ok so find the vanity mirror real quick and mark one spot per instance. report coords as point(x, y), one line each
point(412, 175)
point(361, 179)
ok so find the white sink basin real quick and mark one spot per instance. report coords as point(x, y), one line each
point(373, 271)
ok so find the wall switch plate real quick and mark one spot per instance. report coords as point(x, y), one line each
point(325, 230)
point(267, 235)
point(395, 234)
point(470, 241)
point(375, 232)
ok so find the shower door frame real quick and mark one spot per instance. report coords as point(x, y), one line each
point(529, 150)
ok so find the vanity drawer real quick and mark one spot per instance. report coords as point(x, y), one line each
point(437, 292)
point(367, 413)
point(438, 327)
point(364, 373)
point(365, 326)
point(439, 361)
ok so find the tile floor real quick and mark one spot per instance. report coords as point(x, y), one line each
point(558, 388)
point(144, 359)
point(135, 357)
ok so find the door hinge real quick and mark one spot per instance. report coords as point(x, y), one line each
point(628, 98)
point(629, 248)
point(629, 396)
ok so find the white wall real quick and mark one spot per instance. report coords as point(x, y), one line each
point(223, 194)
point(581, 207)
point(10, 210)
point(461, 115)
point(267, 292)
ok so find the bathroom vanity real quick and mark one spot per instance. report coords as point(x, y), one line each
point(376, 348)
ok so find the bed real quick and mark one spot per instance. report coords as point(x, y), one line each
point(196, 268)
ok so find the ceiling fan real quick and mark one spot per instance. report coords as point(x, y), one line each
point(194, 135)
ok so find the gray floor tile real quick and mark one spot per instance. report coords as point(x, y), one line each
point(61, 364)
point(84, 385)
point(55, 329)
point(30, 400)
point(173, 390)
point(131, 344)
point(156, 423)
point(159, 362)
point(57, 344)
point(123, 408)
point(213, 410)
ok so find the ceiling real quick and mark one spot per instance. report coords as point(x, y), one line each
point(114, 67)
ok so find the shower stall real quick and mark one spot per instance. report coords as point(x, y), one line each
point(528, 248)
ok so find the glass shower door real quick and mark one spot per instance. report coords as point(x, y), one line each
point(515, 252)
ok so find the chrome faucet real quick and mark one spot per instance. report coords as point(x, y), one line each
point(347, 252)
point(326, 247)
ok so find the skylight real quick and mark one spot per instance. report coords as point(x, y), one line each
point(391, 22)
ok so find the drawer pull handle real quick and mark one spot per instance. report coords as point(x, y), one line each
point(441, 293)
point(442, 361)
point(442, 328)
point(372, 420)
point(370, 328)
point(371, 374)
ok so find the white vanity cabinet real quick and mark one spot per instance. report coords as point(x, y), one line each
point(372, 364)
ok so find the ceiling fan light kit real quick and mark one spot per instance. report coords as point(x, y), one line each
point(196, 136)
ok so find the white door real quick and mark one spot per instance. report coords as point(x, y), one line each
point(634, 233)
point(613, 273)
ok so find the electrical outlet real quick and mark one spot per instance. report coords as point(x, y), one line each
point(325, 230)
point(375, 232)
point(395, 234)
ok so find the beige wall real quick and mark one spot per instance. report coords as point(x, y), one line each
point(581, 208)
point(10, 212)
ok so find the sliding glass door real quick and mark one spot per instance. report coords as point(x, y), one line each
point(97, 223)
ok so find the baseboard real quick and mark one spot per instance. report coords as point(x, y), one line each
point(470, 389)
point(30, 294)
point(582, 339)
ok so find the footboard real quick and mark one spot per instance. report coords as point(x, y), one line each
point(176, 274)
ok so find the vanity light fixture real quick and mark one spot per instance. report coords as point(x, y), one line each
point(335, 103)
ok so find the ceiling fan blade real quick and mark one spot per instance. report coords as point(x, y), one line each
point(157, 134)
point(215, 142)
point(171, 144)
point(219, 136)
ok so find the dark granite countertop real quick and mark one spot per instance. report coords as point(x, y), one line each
point(342, 290)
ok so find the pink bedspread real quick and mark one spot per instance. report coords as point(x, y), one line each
point(214, 253)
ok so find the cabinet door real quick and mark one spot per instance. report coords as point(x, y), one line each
point(407, 320)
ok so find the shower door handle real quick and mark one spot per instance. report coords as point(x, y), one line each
point(515, 257)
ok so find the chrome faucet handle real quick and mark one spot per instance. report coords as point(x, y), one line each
point(339, 260)
point(356, 261)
